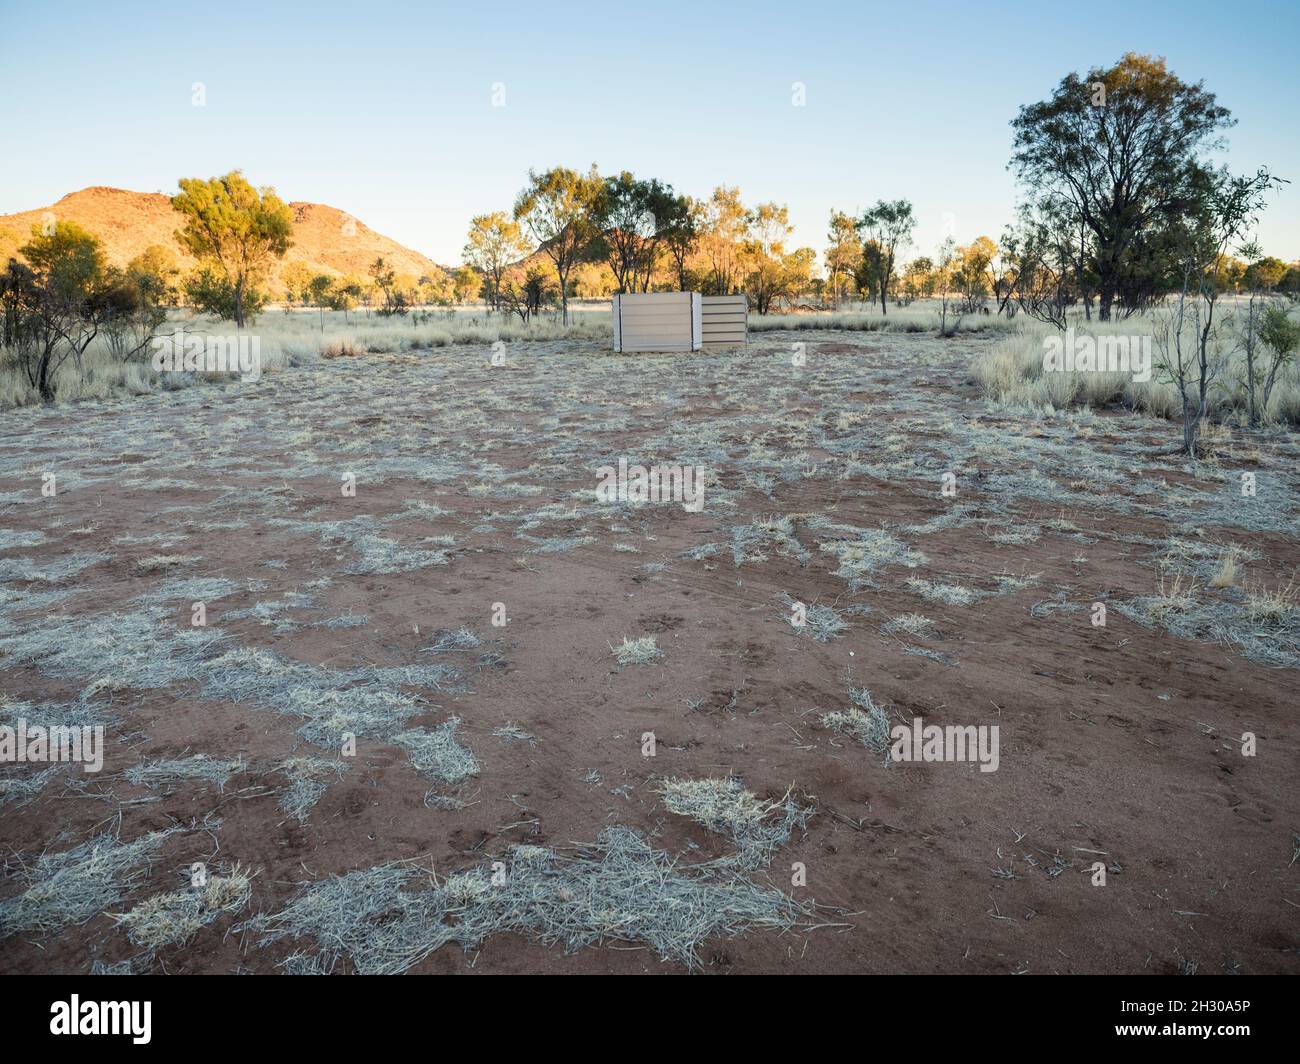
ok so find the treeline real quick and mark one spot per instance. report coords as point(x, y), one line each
point(383, 289)
point(577, 234)
point(574, 233)
point(1121, 209)
point(720, 246)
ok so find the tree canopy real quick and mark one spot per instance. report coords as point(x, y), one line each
point(236, 231)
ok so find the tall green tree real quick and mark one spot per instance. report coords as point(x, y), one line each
point(635, 218)
point(771, 276)
point(467, 283)
point(321, 293)
point(886, 230)
point(843, 254)
point(235, 230)
point(385, 280)
point(495, 242)
point(296, 277)
point(56, 304)
point(558, 208)
point(1265, 273)
point(156, 271)
point(681, 234)
point(1116, 154)
point(723, 230)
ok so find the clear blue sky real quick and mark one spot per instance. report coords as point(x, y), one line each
point(385, 110)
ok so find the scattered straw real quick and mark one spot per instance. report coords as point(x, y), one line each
point(619, 889)
point(77, 884)
point(640, 651)
point(865, 722)
point(820, 622)
point(437, 754)
point(724, 806)
point(515, 734)
point(173, 918)
point(309, 779)
point(169, 773)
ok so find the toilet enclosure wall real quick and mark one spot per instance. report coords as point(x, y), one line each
point(658, 321)
point(726, 320)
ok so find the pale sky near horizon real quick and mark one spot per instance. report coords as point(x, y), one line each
point(386, 110)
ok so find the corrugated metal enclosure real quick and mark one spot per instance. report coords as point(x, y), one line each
point(658, 321)
point(725, 320)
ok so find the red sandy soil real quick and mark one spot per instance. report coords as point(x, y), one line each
point(1117, 743)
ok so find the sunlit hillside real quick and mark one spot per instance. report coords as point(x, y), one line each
point(325, 239)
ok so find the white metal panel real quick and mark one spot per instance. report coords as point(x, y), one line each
point(657, 321)
point(725, 320)
point(634, 327)
point(653, 315)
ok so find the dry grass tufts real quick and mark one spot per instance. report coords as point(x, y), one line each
point(639, 651)
point(436, 753)
point(169, 773)
point(870, 551)
point(309, 779)
point(752, 542)
point(73, 886)
point(866, 722)
point(1275, 606)
point(619, 889)
point(342, 347)
point(1265, 626)
point(1176, 596)
point(23, 789)
point(1226, 574)
point(161, 563)
point(948, 594)
point(515, 734)
point(724, 806)
point(821, 623)
point(173, 918)
point(914, 624)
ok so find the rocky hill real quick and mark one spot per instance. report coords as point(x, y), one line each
point(325, 238)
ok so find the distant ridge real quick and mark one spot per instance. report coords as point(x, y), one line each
point(326, 239)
